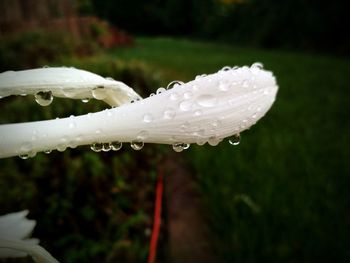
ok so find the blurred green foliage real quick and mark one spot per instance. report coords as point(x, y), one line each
point(293, 24)
point(40, 47)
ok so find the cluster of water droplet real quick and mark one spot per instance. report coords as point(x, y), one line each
point(106, 146)
point(115, 146)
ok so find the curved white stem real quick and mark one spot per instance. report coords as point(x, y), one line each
point(208, 108)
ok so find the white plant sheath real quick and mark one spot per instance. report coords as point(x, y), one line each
point(207, 109)
point(66, 83)
point(15, 229)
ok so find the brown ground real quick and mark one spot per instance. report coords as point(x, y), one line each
point(187, 233)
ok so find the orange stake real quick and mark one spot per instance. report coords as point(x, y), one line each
point(157, 218)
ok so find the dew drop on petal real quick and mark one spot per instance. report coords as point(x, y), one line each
point(174, 96)
point(201, 142)
point(223, 86)
point(106, 146)
point(137, 145)
point(206, 101)
point(116, 146)
point(160, 90)
point(169, 113)
point(235, 139)
point(188, 95)
point(198, 113)
point(96, 147)
point(245, 83)
point(86, 100)
point(174, 84)
point(47, 151)
point(23, 156)
point(44, 98)
point(61, 147)
point(147, 118)
point(257, 65)
point(226, 68)
point(179, 147)
point(213, 140)
point(142, 135)
point(99, 93)
point(185, 105)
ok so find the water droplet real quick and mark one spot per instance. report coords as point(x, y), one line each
point(137, 145)
point(257, 65)
point(206, 101)
point(188, 95)
point(106, 146)
point(174, 84)
point(179, 147)
point(147, 118)
point(213, 140)
point(223, 86)
point(43, 98)
point(142, 135)
point(185, 105)
point(152, 94)
point(226, 68)
point(174, 96)
point(61, 147)
point(47, 151)
point(72, 125)
point(245, 83)
point(235, 139)
point(201, 76)
point(24, 156)
point(99, 93)
point(198, 113)
point(86, 100)
point(185, 126)
point(109, 113)
point(46, 66)
point(216, 123)
point(96, 147)
point(201, 142)
point(160, 90)
point(266, 91)
point(116, 146)
point(169, 113)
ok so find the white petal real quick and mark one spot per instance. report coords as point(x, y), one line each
point(11, 248)
point(66, 83)
point(16, 225)
point(208, 108)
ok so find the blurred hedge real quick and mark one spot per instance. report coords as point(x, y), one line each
point(292, 24)
point(89, 207)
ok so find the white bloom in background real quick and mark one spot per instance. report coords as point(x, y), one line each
point(15, 230)
point(207, 109)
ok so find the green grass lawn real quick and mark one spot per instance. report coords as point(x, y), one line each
point(283, 193)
